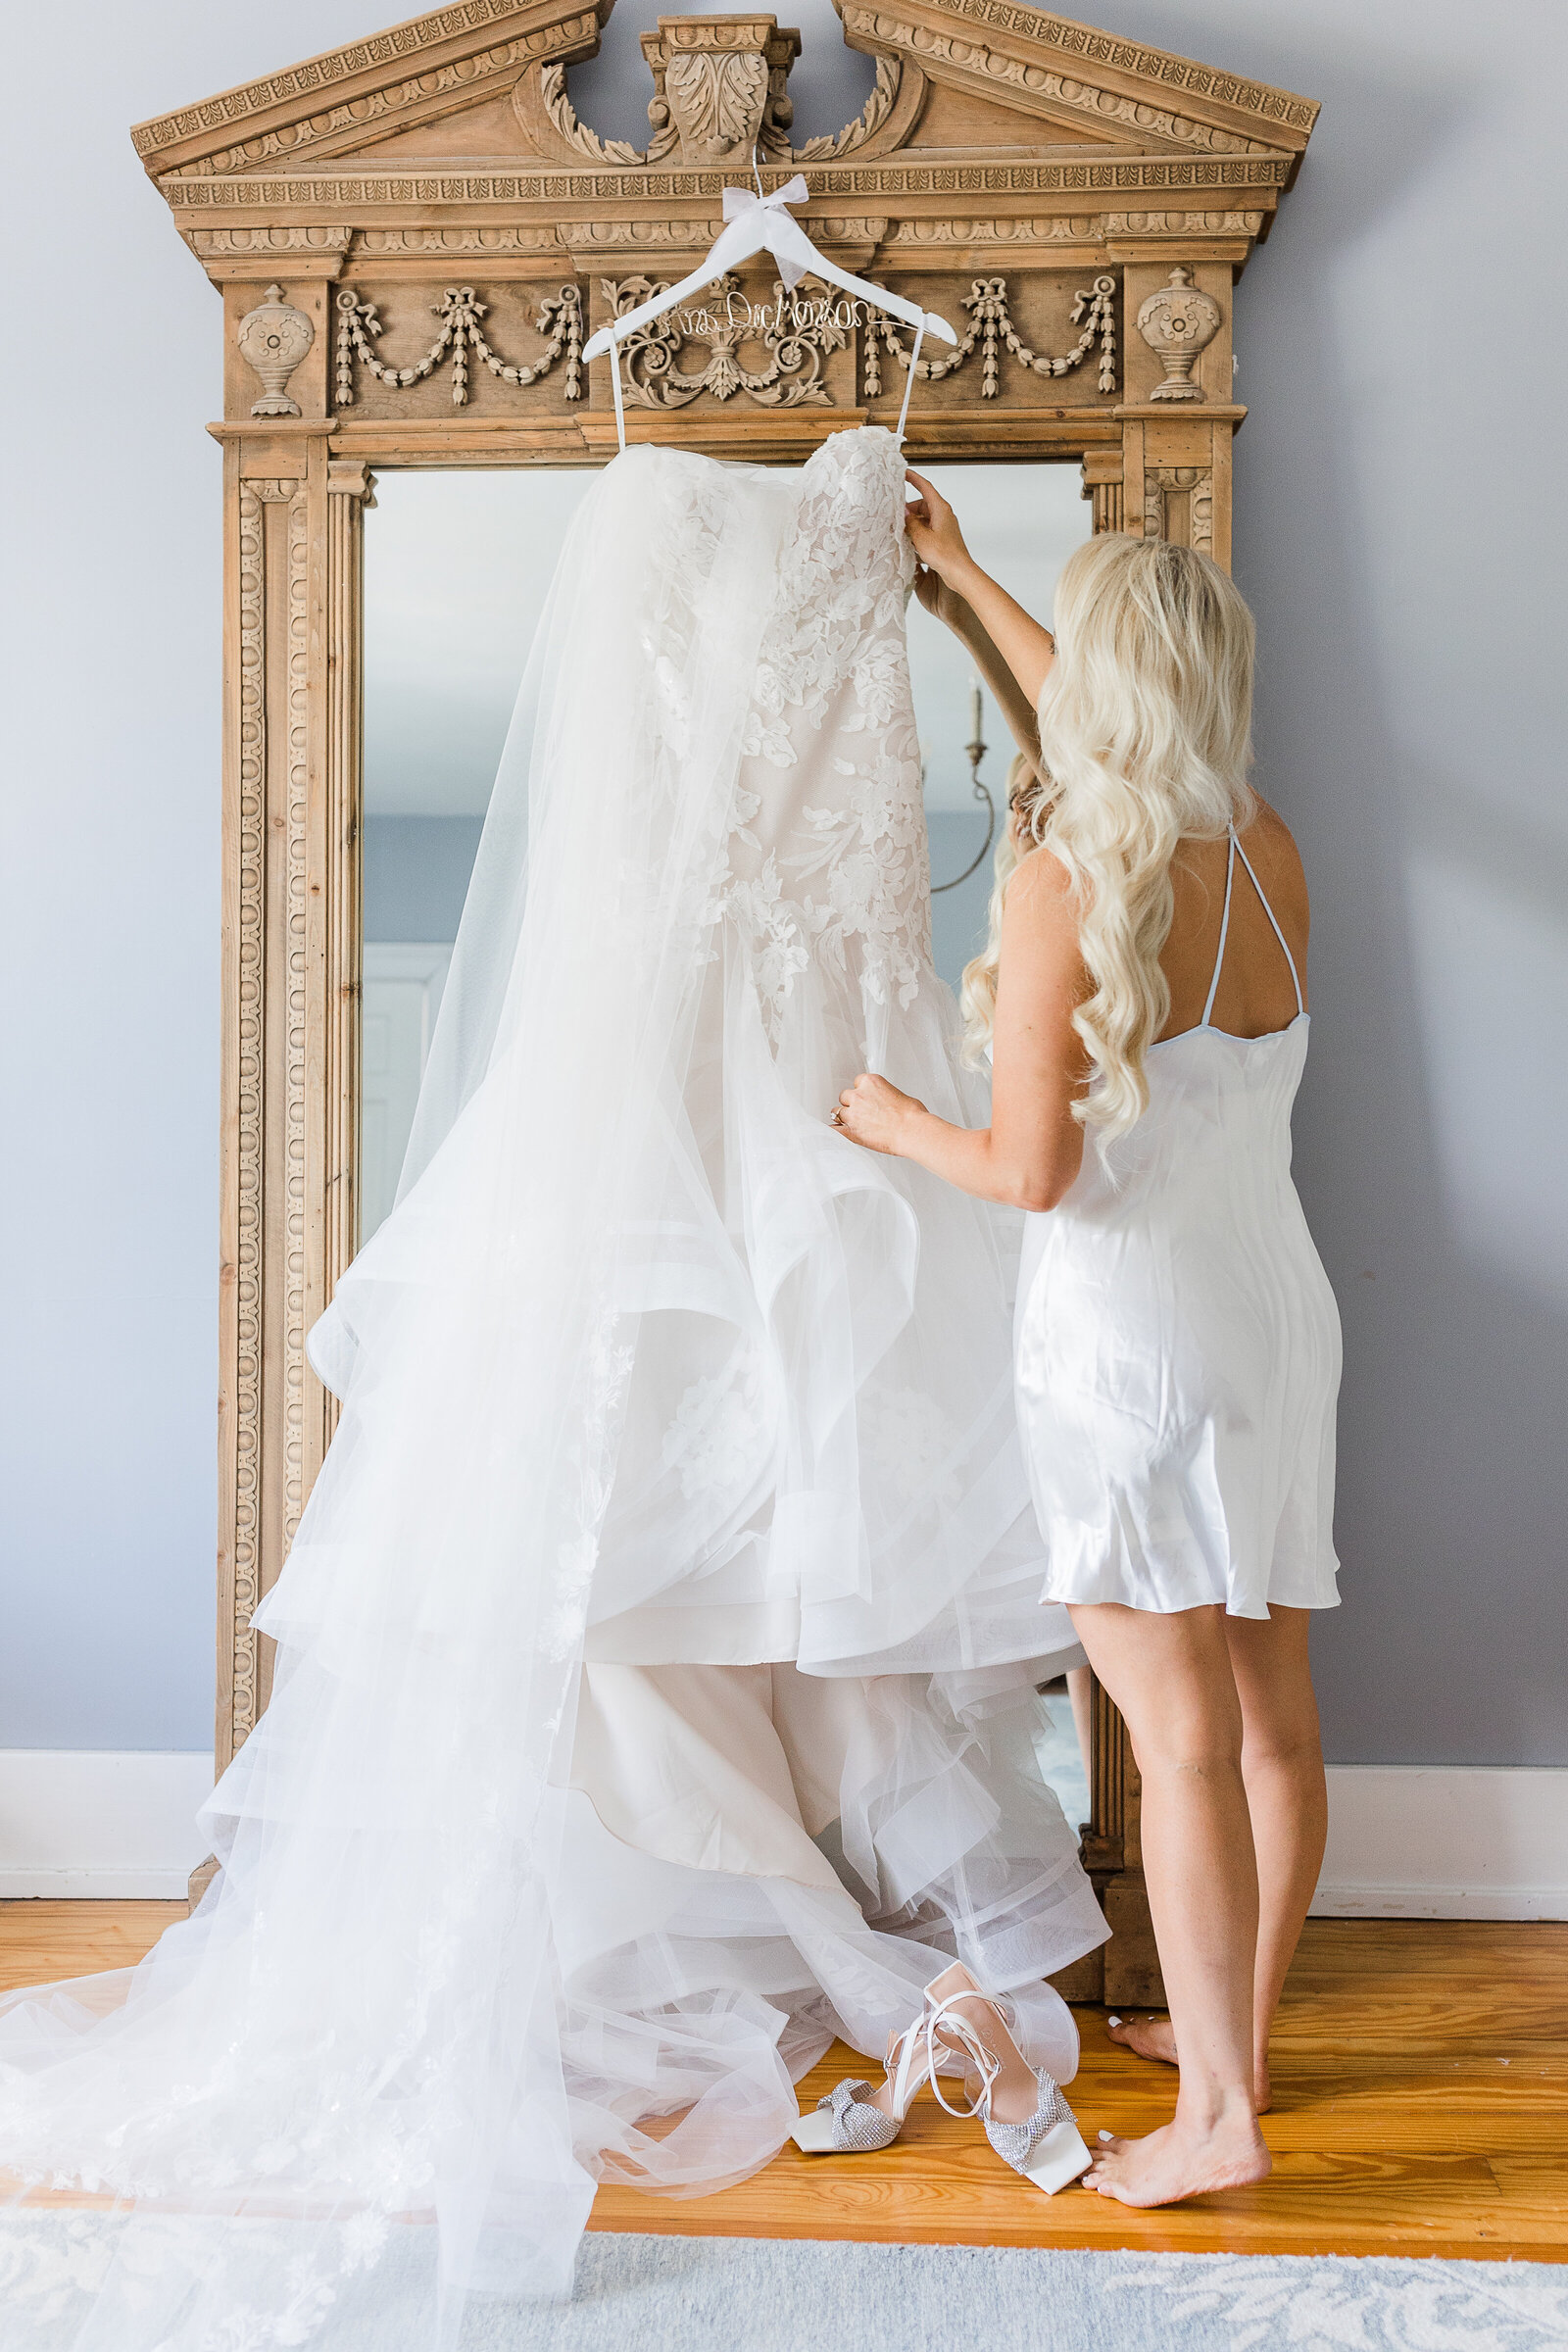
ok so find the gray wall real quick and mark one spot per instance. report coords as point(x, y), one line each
point(1394, 510)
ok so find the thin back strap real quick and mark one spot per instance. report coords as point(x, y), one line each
point(1296, 978)
point(1224, 929)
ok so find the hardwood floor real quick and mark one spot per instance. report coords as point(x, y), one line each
point(1421, 2077)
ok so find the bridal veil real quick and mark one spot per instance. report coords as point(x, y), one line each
point(653, 1691)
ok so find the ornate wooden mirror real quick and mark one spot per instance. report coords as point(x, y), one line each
point(413, 236)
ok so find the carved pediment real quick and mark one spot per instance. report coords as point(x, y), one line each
point(349, 100)
point(485, 81)
point(1052, 70)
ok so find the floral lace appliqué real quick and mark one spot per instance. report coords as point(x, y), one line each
point(712, 1441)
point(829, 855)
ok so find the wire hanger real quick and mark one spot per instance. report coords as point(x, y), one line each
point(759, 224)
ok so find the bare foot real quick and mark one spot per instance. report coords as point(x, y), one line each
point(1149, 2037)
point(1178, 2162)
point(1156, 2037)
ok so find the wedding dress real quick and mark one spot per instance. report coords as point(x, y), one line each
point(655, 1665)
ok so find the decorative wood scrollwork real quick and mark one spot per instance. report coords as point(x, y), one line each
point(1164, 486)
point(867, 122)
point(990, 326)
point(1101, 477)
point(796, 330)
point(719, 90)
point(272, 340)
point(249, 1045)
point(1178, 321)
point(1017, 63)
point(296, 1471)
point(564, 116)
point(459, 312)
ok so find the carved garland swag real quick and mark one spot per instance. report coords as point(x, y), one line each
point(796, 331)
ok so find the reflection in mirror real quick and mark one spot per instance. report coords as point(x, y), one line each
point(457, 569)
point(457, 565)
point(1021, 522)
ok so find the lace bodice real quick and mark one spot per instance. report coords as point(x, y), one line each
point(828, 854)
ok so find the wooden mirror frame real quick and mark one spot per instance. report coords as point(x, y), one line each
point(433, 185)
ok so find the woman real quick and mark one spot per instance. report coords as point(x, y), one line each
point(1177, 1346)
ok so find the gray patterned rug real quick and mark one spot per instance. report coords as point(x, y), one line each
point(727, 2295)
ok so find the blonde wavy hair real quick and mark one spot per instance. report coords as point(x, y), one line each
point(1144, 741)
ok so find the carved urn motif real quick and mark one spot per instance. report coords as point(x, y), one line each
point(273, 339)
point(1178, 321)
point(719, 88)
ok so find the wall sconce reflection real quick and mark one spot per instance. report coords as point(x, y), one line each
point(975, 749)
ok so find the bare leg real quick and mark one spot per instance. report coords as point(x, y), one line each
point(1287, 1796)
point(1282, 1766)
point(1171, 1677)
point(1078, 1693)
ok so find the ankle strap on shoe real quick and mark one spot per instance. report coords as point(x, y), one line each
point(946, 2028)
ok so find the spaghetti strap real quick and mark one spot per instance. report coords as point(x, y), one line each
point(1224, 930)
point(1295, 979)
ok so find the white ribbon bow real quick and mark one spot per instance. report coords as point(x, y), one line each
point(773, 232)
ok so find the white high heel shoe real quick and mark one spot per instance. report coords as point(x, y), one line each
point(855, 2121)
point(1027, 2120)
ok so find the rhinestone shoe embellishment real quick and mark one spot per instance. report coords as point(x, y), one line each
point(857, 2126)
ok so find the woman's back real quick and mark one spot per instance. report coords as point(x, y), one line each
point(1256, 992)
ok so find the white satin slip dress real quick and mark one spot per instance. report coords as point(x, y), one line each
point(1177, 1344)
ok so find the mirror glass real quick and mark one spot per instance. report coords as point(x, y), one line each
point(457, 565)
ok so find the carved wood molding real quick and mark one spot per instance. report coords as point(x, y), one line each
point(274, 340)
point(267, 999)
point(850, 238)
point(1167, 489)
point(887, 118)
point(418, 72)
point(1181, 224)
point(1105, 70)
point(410, 73)
point(245, 1540)
point(1100, 475)
point(372, 244)
point(420, 100)
point(543, 105)
point(719, 88)
point(385, 189)
point(1178, 321)
point(1076, 96)
point(992, 329)
point(460, 312)
point(351, 489)
point(796, 330)
point(296, 1017)
point(252, 250)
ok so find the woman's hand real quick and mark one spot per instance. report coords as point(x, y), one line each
point(936, 538)
point(874, 1113)
point(944, 603)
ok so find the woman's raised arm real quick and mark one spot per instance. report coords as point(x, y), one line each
point(1027, 649)
point(961, 618)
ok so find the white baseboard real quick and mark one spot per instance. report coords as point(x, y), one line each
point(1446, 1841)
point(1405, 1841)
point(96, 1822)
